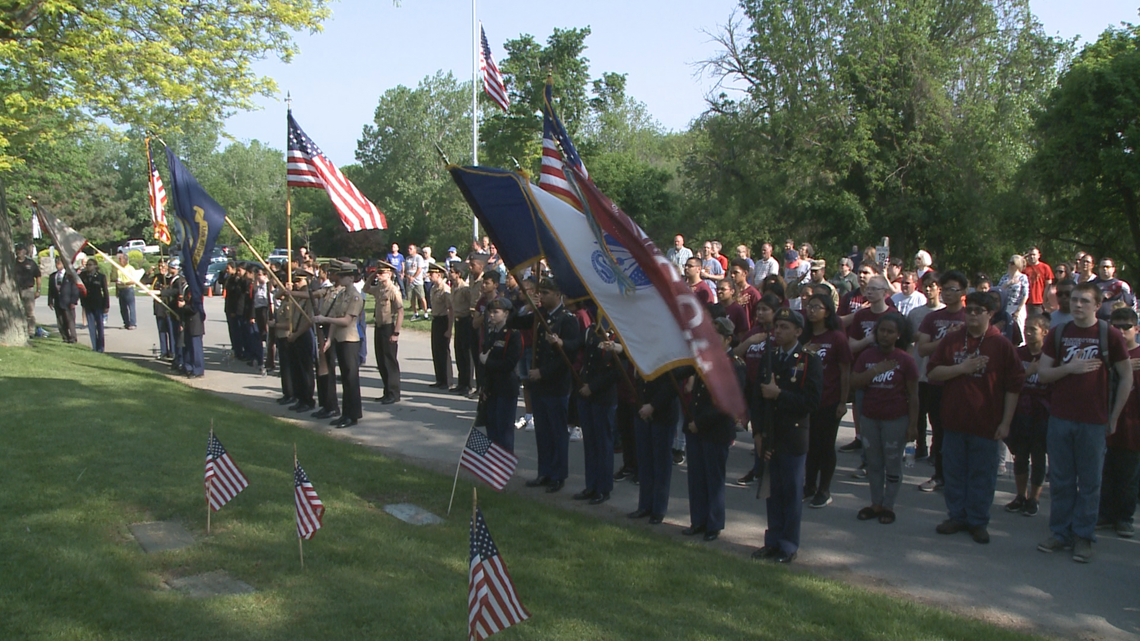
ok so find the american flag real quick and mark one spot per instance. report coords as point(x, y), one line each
point(492, 79)
point(553, 178)
point(487, 460)
point(223, 478)
point(492, 604)
point(307, 166)
point(157, 195)
point(310, 510)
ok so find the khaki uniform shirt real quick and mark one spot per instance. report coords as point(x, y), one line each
point(347, 302)
point(388, 304)
point(463, 300)
point(440, 300)
point(296, 310)
point(281, 317)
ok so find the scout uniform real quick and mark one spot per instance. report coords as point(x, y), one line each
point(440, 329)
point(348, 303)
point(301, 349)
point(389, 309)
point(501, 384)
point(323, 298)
point(463, 305)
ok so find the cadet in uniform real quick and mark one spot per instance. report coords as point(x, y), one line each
point(158, 282)
point(170, 294)
point(500, 358)
point(344, 339)
point(279, 326)
point(193, 327)
point(389, 318)
point(597, 404)
point(462, 306)
point(322, 295)
point(556, 344)
point(441, 321)
point(789, 390)
point(300, 345)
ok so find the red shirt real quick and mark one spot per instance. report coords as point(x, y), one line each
point(974, 403)
point(1083, 398)
point(1038, 275)
point(833, 351)
point(864, 323)
point(748, 299)
point(739, 319)
point(940, 322)
point(886, 398)
point(703, 292)
point(754, 355)
point(1127, 434)
point(1034, 401)
point(723, 260)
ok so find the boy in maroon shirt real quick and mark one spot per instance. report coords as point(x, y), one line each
point(930, 334)
point(1081, 418)
point(1121, 480)
point(1027, 437)
point(983, 378)
point(747, 296)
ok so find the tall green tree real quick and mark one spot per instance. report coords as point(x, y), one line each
point(1087, 166)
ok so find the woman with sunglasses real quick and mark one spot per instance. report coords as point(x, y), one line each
point(824, 337)
point(889, 379)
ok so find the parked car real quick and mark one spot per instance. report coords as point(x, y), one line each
point(140, 246)
point(213, 278)
point(278, 257)
point(219, 256)
point(229, 251)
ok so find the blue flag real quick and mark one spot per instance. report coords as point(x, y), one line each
point(196, 227)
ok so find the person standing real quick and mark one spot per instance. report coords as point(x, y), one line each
point(125, 277)
point(416, 269)
point(1028, 434)
point(462, 307)
point(236, 294)
point(193, 328)
point(1121, 480)
point(63, 296)
point(96, 302)
point(889, 378)
point(933, 293)
point(279, 333)
point(790, 391)
point(158, 282)
point(396, 260)
point(301, 343)
point(170, 296)
point(597, 405)
point(982, 377)
point(1014, 286)
point(1040, 277)
point(28, 282)
point(765, 266)
point(556, 343)
point(653, 429)
point(347, 305)
point(502, 348)
point(388, 318)
point(678, 253)
point(747, 296)
point(442, 320)
point(827, 341)
point(1084, 410)
point(908, 298)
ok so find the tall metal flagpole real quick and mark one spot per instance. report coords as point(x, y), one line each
point(474, 106)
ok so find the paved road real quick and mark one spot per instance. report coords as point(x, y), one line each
point(1007, 581)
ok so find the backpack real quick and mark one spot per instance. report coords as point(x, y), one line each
point(1102, 352)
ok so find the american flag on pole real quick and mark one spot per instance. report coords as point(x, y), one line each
point(553, 178)
point(487, 460)
point(492, 79)
point(157, 195)
point(310, 510)
point(307, 166)
point(36, 232)
point(492, 604)
point(223, 478)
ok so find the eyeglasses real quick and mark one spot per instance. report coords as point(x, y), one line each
point(974, 310)
point(815, 308)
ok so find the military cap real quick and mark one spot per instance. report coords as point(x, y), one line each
point(548, 285)
point(500, 303)
point(724, 326)
point(790, 316)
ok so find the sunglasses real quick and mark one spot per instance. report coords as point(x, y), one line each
point(1123, 328)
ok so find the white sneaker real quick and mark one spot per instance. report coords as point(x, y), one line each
point(575, 433)
point(521, 423)
point(530, 424)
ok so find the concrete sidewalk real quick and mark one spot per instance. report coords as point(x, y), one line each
point(1007, 582)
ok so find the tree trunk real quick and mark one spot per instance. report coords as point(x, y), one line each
point(13, 324)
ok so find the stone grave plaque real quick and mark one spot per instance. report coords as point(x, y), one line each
point(413, 514)
point(216, 583)
point(161, 536)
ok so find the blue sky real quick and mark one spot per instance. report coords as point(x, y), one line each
point(370, 46)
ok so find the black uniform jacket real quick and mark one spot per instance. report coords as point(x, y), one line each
point(500, 372)
point(556, 377)
point(713, 425)
point(783, 422)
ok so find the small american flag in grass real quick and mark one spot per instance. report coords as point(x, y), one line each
point(224, 480)
point(487, 460)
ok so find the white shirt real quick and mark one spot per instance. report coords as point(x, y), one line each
point(906, 303)
point(764, 268)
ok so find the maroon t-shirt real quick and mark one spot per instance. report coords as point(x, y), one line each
point(703, 292)
point(754, 355)
point(886, 398)
point(974, 403)
point(748, 299)
point(864, 323)
point(739, 319)
point(1127, 434)
point(851, 303)
point(1034, 400)
point(833, 351)
point(940, 322)
point(1083, 398)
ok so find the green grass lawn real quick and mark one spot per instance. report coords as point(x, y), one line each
point(94, 444)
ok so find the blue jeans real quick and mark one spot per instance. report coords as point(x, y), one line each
point(598, 444)
point(127, 306)
point(1076, 462)
point(500, 412)
point(95, 328)
point(654, 464)
point(969, 466)
point(706, 482)
point(785, 501)
point(551, 436)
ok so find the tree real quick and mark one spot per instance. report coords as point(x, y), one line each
point(1086, 165)
point(136, 62)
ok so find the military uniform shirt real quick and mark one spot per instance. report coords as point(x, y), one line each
point(440, 301)
point(463, 300)
point(348, 302)
point(388, 304)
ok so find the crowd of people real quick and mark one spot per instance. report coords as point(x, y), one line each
point(1034, 371)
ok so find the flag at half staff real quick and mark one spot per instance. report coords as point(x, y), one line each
point(553, 178)
point(307, 166)
point(310, 510)
point(224, 479)
point(157, 194)
point(492, 604)
point(487, 460)
point(492, 79)
point(196, 226)
point(527, 223)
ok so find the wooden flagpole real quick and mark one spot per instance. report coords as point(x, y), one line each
point(474, 502)
point(300, 541)
point(460, 463)
point(209, 484)
point(268, 269)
